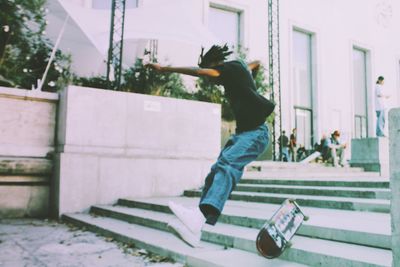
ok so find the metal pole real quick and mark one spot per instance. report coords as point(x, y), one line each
point(53, 53)
point(274, 74)
point(115, 47)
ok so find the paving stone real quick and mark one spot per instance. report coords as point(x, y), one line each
point(30, 242)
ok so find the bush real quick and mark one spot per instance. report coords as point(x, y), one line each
point(139, 79)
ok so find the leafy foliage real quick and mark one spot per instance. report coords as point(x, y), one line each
point(99, 82)
point(143, 80)
point(24, 50)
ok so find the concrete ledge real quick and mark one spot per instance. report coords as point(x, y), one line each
point(372, 154)
point(368, 166)
point(18, 201)
point(16, 93)
point(25, 166)
point(117, 144)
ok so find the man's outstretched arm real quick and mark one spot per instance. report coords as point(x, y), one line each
point(193, 71)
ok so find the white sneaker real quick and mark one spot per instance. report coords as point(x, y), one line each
point(185, 234)
point(193, 219)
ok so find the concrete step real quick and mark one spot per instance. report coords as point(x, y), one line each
point(295, 174)
point(345, 226)
point(373, 183)
point(313, 167)
point(166, 244)
point(24, 187)
point(25, 166)
point(310, 251)
point(343, 203)
point(24, 180)
point(353, 192)
point(243, 238)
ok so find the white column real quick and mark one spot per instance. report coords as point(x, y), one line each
point(394, 149)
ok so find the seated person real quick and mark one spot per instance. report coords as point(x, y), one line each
point(332, 149)
point(301, 153)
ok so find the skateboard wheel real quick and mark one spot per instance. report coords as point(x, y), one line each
point(306, 218)
point(289, 244)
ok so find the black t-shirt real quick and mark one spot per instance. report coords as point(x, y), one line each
point(283, 141)
point(250, 108)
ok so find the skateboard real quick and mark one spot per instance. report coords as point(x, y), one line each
point(274, 237)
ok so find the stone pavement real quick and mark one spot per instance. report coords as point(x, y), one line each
point(32, 242)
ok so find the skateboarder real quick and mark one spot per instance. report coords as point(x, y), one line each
point(250, 140)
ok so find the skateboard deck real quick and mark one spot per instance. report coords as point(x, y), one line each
point(274, 237)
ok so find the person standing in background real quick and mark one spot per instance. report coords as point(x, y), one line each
point(293, 145)
point(380, 106)
point(284, 146)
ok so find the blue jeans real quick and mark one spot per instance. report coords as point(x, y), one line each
point(285, 154)
point(240, 150)
point(380, 122)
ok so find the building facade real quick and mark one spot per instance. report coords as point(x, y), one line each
point(331, 55)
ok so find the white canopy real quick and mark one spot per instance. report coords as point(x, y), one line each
point(167, 20)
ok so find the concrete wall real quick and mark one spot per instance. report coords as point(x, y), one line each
point(27, 130)
point(27, 122)
point(372, 154)
point(115, 144)
point(24, 187)
point(394, 144)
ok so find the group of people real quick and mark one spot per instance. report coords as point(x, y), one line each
point(288, 146)
point(330, 149)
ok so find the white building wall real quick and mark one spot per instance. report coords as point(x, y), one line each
point(337, 27)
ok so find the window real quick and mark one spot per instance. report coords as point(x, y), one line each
point(302, 87)
point(304, 127)
point(360, 93)
point(225, 24)
point(106, 4)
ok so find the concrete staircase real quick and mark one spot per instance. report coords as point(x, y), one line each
point(349, 219)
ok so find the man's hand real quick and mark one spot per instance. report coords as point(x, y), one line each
point(154, 66)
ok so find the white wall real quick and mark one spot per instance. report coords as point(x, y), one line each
point(337, 27)
point(115, 144)
point(27, 122)
point(27, 135)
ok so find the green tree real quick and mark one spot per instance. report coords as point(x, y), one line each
point(24, 49)
point(143, 80)
point(99, 82)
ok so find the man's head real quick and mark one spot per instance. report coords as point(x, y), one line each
point(336, 134)
point(380, 80)
point(215, 56)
